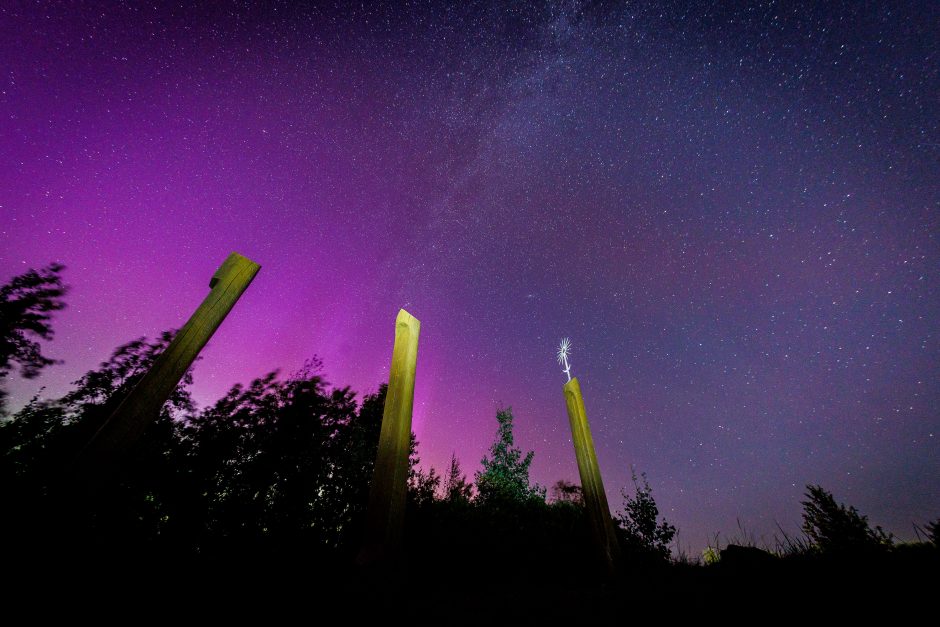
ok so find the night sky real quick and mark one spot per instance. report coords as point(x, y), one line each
point(732, 212)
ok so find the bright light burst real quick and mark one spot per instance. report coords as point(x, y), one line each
point(563, 349)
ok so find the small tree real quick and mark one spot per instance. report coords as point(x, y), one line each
point(26, 306)
point(456, 486)
point(639, 519)
point(505, 473)
point(422, 486)
point(833, 527)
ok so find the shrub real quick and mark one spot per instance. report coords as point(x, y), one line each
point(639, 519)
point(833, 527)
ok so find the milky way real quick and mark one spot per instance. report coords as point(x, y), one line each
point(733, 213)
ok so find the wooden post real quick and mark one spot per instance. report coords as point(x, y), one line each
point(592, 486)
point(142, 405)
point(386, 512)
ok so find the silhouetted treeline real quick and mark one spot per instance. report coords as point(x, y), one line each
point(275, 464)
point(274, 478)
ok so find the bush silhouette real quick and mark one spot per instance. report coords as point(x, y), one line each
point(833, 527)
point(639, 519)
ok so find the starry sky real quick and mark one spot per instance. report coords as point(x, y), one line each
point(731, 211)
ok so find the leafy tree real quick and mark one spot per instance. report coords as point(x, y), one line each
point(505, 473)
point(567, 492)
point(273, 461)
point(27, 303)
point(39, 444)
point(48, 434)
point(423, 485)
point(456, 487)
point(352, 461)
point(833, 527)
point(639, 520)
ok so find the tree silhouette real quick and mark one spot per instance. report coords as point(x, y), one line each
point(833, 527)
point(505, 473)
point(456, 486)
point(639, 519)
point(27, 303)
point(278, 470)
point(39, 444)
point(47, 434)
point(285, 461)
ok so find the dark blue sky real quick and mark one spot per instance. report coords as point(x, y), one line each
point(732, 212)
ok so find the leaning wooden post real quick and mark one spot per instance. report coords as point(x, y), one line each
point(592, 486)
point(386, 511)
point(142, 405)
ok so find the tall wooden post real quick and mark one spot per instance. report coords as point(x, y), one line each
point(386, 512)
point(592, 486)
point(142, 405)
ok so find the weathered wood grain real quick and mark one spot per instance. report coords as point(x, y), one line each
point(592, 486)
point(386, 511)
point(142, 405)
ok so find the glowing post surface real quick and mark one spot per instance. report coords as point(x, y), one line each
point(390, 479)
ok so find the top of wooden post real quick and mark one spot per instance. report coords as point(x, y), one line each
point(406, 319)
point(233, 263)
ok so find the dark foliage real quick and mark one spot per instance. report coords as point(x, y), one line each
point(504, 477)
point(272, 466)
point(423, 486)
point(639, 519)
point(833, 527)
point(27, 304)
point(933, 532)
point(265, 490)
point(456, 486)
point(567, 492)
point(45, 435)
